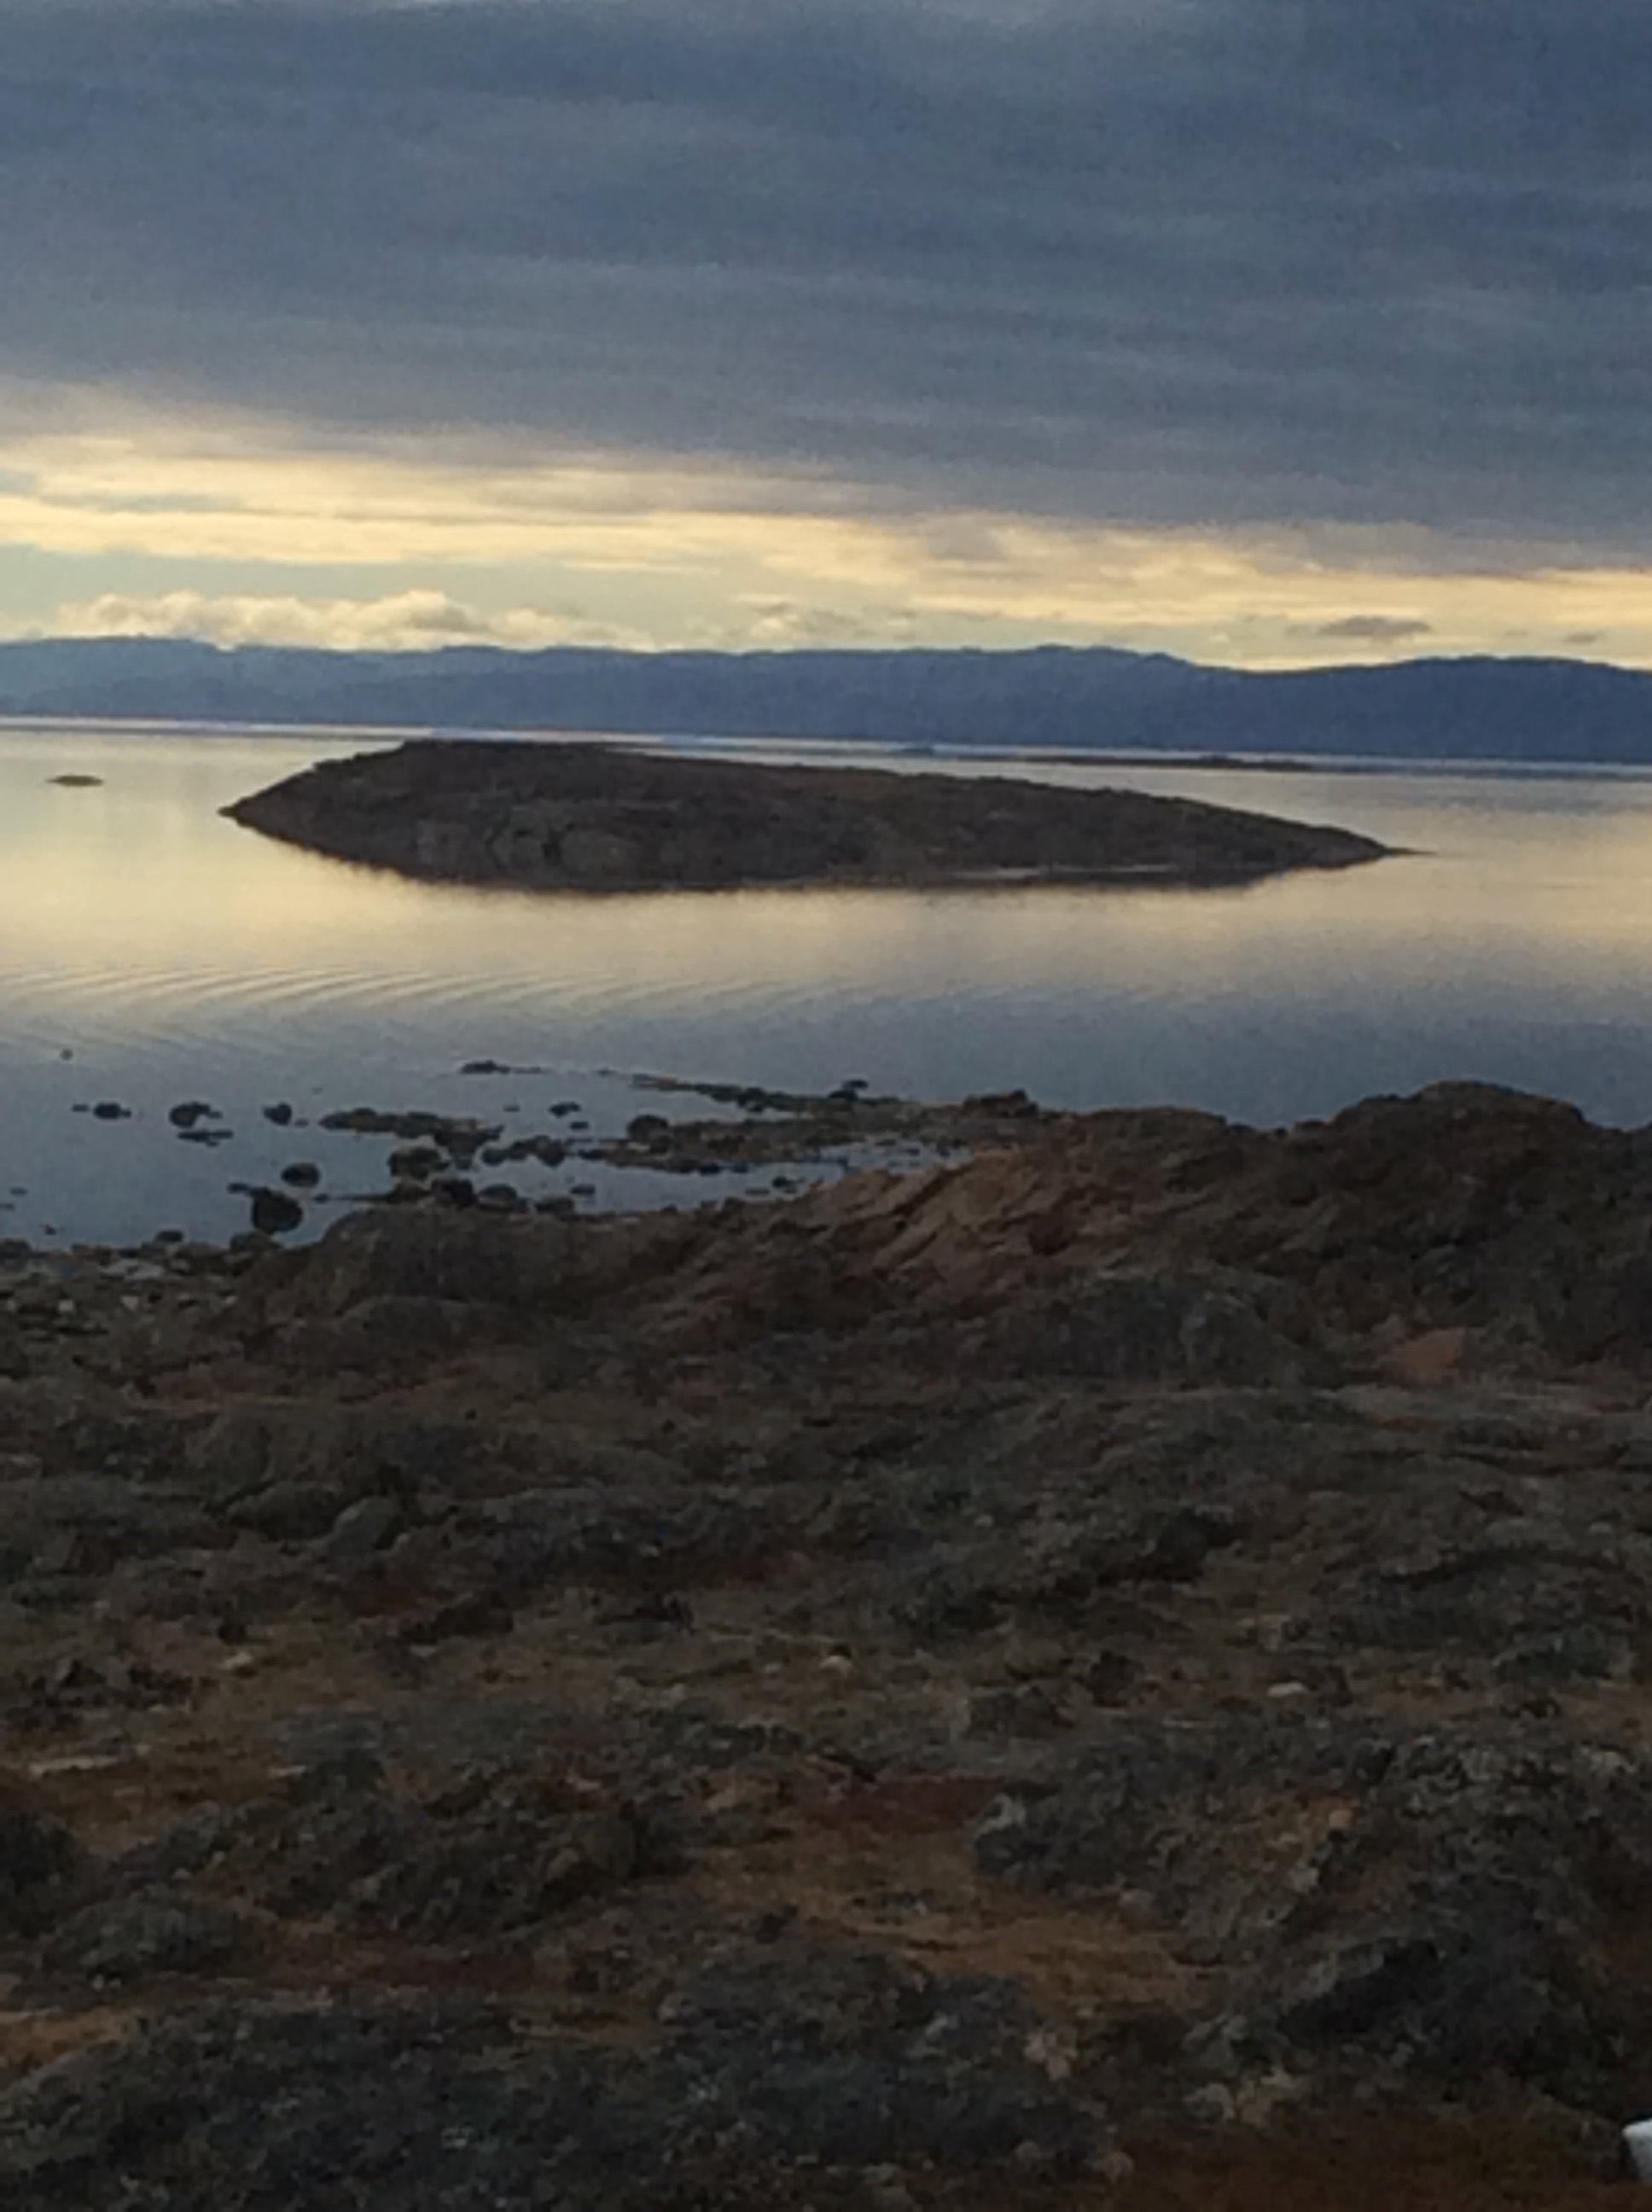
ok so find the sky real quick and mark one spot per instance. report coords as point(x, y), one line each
point(1267, 332)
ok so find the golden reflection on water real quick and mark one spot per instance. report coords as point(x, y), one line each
point(138, 894)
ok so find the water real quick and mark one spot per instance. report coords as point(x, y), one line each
point(174, 956)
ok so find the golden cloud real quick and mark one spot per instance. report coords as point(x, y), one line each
point(725, 557)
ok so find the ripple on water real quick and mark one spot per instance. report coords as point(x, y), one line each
point(176, 956)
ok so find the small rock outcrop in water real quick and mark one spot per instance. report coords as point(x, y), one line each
point(606, 818)
point(1136, 1643)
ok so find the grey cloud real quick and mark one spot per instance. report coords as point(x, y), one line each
point(1375, 629)
point(1239, 261)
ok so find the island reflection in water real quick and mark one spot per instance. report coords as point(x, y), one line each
point(175, 955)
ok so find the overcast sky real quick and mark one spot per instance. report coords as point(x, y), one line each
point(1265, 329)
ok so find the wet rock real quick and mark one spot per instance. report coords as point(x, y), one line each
point(191, 1112)
point(456, 1134)
point(418, 1161)
point(550, 1151)
point(274, 1213)
point(1016, 1103)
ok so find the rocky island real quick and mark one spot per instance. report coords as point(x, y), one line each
point(589, 817)
point(1115, 1670)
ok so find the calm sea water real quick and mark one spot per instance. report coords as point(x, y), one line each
point(152, 952)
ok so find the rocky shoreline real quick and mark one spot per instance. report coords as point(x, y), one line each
point(653, 1149)
point(595, 817)
point(1115, 1668)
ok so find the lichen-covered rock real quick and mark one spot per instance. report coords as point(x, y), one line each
point(1129, 1325)
point(490, 1855)
point(437, 2109)
point(1183, 1589)
point(127, 1938)
point(1431, 1905)
point(852, 2058)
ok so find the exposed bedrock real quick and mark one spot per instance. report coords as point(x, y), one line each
point(1138, 1637)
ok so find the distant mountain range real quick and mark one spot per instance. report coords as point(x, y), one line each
point(1475, 710)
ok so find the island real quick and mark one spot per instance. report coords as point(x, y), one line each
point(554, 816)
point(1112, 1670)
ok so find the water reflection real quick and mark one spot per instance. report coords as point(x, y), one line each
point(174, 955)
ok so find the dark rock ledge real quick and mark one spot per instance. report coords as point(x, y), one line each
point(594, 818)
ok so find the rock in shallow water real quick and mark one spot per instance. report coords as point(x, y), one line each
point(275, 1213)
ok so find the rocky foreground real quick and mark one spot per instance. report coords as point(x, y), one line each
point(586, 817)
point(1116, 1671)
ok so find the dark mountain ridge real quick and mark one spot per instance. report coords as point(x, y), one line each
point(1473, 708)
